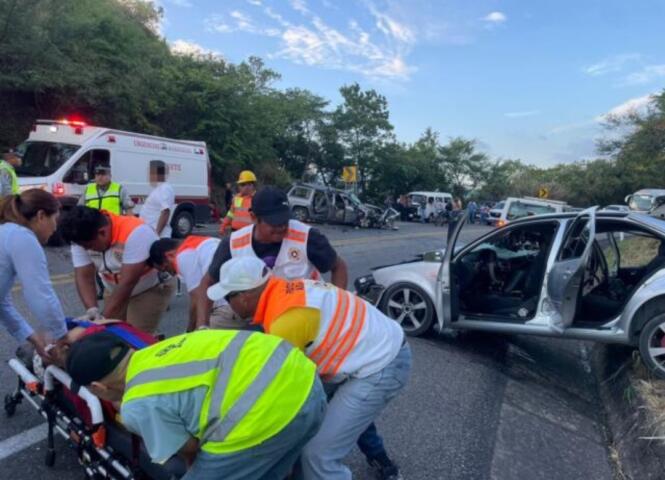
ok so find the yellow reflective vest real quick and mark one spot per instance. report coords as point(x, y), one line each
point(256, 383)
point(12, 173)
point(109, 200)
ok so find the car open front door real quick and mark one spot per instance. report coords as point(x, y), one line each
point(447, 301)
point(566, 276)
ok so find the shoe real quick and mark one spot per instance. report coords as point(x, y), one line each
point(385, 468)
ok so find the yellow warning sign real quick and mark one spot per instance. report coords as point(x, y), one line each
point(350, 174)
point(543, 192)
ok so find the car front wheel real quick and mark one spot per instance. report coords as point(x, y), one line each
point(652, 345)
point(409, 306)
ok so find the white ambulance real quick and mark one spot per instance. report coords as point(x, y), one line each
point(60, 156)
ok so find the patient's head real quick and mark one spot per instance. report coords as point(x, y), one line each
point(99, 362)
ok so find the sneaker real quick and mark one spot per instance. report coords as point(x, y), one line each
point(385, 468)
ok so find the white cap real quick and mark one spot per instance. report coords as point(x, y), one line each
point(239, 275)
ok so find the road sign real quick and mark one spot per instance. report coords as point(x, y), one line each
point(350, 174)
point(543, 192)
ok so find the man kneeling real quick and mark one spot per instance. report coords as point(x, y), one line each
point(235, 405)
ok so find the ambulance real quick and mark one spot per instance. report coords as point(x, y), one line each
point(60, 156)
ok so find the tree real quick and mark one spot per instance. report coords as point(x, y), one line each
point(363, 126)
point(465, 167)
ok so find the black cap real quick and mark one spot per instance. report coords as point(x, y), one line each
point(95, 356)
point(270, 205)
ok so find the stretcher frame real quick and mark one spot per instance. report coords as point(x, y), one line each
point(98, 459)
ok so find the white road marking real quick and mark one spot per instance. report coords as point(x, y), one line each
point(22, 440)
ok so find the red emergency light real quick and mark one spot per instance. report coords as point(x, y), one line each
point(72, 122)
point(58, 189)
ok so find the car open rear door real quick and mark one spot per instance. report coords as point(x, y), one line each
point(447, 301)
point(566, 276)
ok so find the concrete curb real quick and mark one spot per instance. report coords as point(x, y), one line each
point(627, 419)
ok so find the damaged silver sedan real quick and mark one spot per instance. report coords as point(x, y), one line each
point(592, 276)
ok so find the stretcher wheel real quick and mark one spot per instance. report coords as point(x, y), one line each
point(10, 405)
point(49, 461)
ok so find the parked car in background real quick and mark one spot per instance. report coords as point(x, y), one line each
point(60, 156)
point(616, 208)
point(643, 200)
point(513, 209)
point(437, 203)
point(592, 276)
point(317, 203)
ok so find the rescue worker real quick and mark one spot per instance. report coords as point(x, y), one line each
point(292, 250)
point(189, 259)
point(118, 248)
point(105, 194)
point(8, 178)
point(359, 351)
point(26, 223)
point(238, 215)
point(233, 404)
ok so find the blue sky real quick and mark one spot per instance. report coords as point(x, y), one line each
point(528, 79)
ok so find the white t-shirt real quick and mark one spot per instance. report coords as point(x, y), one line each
point(194, 263)
point(136, 250)
point(160, 199)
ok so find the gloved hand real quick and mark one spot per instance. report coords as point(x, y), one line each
point(92, 315)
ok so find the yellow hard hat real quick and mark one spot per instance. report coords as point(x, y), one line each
point(246, 176)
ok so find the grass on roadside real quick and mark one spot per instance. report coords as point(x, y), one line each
point(652, 391)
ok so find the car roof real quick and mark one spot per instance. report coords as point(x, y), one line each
point(651, 191)
point(641, 218)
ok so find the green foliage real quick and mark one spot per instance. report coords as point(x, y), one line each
point(105, 60)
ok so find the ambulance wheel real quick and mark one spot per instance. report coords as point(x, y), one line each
point(50, 458)
point(10, 405)
point(183, 224)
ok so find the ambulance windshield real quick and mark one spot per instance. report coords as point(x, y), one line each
point(43, 158)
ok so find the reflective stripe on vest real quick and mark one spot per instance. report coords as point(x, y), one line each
point(292, 261)
point(190, 243)
point(343, 317)
point(239, 212)
point(108, 200)
point(256, 383)
point(4, 165)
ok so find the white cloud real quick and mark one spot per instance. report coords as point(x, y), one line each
point(611, 64)
point(299, 6)
point(648, 74)
point(188, 48)
point(181, 3)
point(495, 18)
point(634, 106)
point(379, 53)
point(528, 113)
point(256, 3)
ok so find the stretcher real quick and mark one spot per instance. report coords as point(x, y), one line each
point(105, 449)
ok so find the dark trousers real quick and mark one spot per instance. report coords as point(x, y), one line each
point(371, 443)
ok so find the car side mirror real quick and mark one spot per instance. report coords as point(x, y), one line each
point(628, 199)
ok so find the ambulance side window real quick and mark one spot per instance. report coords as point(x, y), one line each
point(83, 170)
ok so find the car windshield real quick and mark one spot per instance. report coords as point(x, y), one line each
point(419, 199)
point(640, 202)
point(43, 158)
point(498, 206)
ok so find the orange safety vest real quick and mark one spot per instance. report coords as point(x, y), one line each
point(238, 215)
point(353, 336)
point(189, 243)
point(110, 262)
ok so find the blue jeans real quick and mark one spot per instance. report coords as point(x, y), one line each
point(356, 403)
point(272, 459)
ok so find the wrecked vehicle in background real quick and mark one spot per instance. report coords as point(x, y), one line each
point(317, 203)
point(591, 275)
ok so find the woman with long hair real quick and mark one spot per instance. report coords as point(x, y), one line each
point(27, 220)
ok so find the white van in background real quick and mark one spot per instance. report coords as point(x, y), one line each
point(644, 200)
point(60, 156)
point(419, 199)
point(513, 208)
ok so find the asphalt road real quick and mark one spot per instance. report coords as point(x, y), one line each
point(478, 406)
